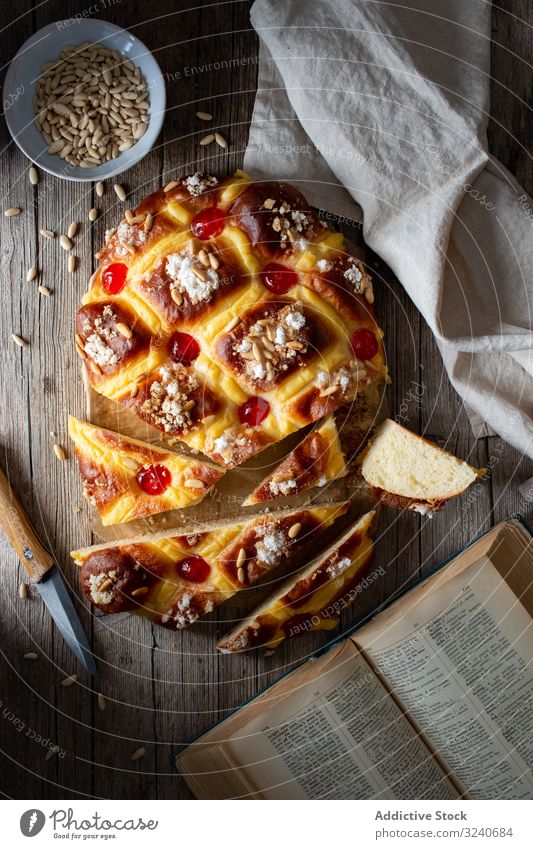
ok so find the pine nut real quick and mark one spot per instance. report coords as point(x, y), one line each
point(72, 263)
point(31, 274)
point(48, 234)
point(123, 329)
point(69, 681)
point(44, 290)
point(99, 188)
point(33, 175)
point(72, 229)
point(294, 530)
point(65, 243)
point(204, 116)
point(23, 591)
point(138, 753)
point(31, 655)
point(101, 702)
point(207, 139)
point(93, 214)
point(12, 211)
point(194, 483)
point(221, 141)
point(59, 452)
point(18, 340)
point(121, 194)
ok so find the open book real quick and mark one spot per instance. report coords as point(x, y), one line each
point(433, 699)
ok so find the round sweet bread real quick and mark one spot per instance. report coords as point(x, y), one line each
point(228, 315)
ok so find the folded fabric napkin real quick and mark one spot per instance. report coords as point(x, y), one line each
point(371, 105)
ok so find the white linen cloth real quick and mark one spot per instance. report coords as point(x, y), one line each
point(370, 103)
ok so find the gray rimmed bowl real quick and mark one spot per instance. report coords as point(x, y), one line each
point(21, 80)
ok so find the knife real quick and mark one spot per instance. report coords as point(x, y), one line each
point(44, 574)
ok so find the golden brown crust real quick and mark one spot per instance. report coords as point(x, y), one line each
point(214, 287)
point(267, 211)
point(233, 556)
point(403, 502)
point(111, 335)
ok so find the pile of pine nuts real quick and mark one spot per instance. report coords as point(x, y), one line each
point(91, 104)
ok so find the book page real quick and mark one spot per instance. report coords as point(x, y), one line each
point(346, 739)
point(464, 674)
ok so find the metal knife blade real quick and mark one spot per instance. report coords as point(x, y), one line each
point(43, 572)
point(55, 595)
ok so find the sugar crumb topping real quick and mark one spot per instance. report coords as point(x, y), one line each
point(198, 183)
point(170, 401)
point(273, 342)
point(188, 278)
point(96, 345)
point(271, 545)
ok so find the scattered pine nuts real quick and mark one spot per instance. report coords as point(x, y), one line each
point(31, 655)
point(12, 211)
point(51, 752)
point(44, 290)
point(65, 243)
point(120, 192)
point(241, 557)
point(69, 681)
point(33, 175)
point(221, 141)
point(207, 139)
point(31, 274)
point(59, 452)
point(23, 591)
point(138, 753)
point(72, 229)
point(101, 702)
point(171, 185)
point(99, 188)
point(148, 221)
point(204, 116)
point(241, 575)
point(48, 234)
point(18, 340)
point(72, 263)
point(93, 214)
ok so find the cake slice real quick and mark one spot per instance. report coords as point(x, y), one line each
point(315, 461)
point(313, 597)
point(407, 471)
point(174, 577)
point(127, 479)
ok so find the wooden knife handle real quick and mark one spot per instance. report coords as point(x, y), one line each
point(33, 555)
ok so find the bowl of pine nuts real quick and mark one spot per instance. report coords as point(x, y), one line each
point(84, 102)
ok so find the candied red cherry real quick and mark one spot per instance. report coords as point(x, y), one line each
point(209, 223)
point(193, 568)
point(364, 344)
point(114, 277)
point(183, 348)
point(278, 278)
point(253, 411)
point(154, 479)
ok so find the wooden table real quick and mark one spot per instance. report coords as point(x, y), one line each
point(162, 688)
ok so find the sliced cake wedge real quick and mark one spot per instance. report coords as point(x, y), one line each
point(313, 597)
point(127, 479)
point(316, 460)
point(177, 576)
point(407, 471)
